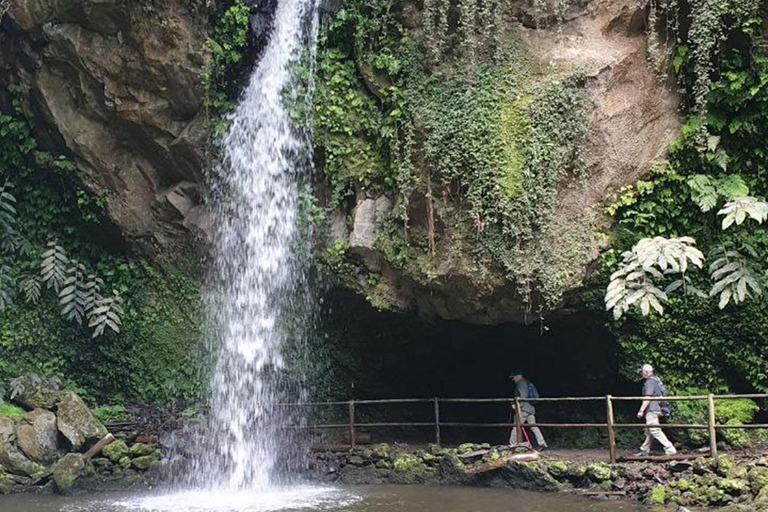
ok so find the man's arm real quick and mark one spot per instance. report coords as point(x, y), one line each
point(647, 391)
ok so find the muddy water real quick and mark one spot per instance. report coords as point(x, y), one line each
point(328, 499)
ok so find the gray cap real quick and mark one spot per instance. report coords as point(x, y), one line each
point(645, 368)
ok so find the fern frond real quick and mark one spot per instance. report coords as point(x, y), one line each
point(53, 266)
point(106, 313)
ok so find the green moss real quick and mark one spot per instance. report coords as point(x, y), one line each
point(514, 129)
point(599, 472)
point(557, 468)
point(116, 450)
point(758, 478)
point(382, 450)
point(733, 486)
point(12, 411)
point(657, 495)
point(141, 449)
point(406, 462)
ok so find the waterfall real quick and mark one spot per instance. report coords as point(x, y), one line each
point(259, 296)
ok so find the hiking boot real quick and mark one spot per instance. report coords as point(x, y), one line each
point(542, 447)
point(642, 454)
point(672, 451)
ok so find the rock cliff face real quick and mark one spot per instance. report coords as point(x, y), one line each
point(631, 116)
point(116, 86)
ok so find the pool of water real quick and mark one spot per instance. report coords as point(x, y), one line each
point(382, 498)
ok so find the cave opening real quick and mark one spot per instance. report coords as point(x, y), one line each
point(372, 354)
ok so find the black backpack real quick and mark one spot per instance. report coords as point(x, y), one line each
point(666, 408)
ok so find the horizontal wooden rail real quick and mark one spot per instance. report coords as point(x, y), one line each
point(610, 424)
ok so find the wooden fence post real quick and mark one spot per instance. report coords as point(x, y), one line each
point(437, 421)
point(611, 433)
point(518, 421)
point(711, 426)
point(352, 424)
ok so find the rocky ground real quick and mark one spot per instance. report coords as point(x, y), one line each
point(47, 439)
point(738, 484)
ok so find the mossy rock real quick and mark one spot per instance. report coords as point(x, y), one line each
point(141, 449)
point(558, 469)
point(657, 496)
point(758, 478)
point(466, 448)
point(408, 468)
point(6, 482)
point(724, 466)
point(69, 469)
point(492, 455)
point(599, 472)
point(116, 450)
point(428, 457)
point(124, 462)
point(436, 450)
point(383, 464)
point(76, 422)
point(382, 450)
point(103, 465)
point(733, 486)
point(144, 462)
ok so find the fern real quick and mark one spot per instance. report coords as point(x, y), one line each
point(53, 267)
point(706, 191)
point(703, 191)
point(92, 292)
point(31, 288)
point(739, 209)
point(106, 313)
point(7, 286)
point(72, 296)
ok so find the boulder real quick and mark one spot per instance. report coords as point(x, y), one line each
point(35, 392)
point(37, 435)
point(16, 462)
point(77, 423)
point(145, 462)
point(69, 469)
point(7, 429)
point(116, 450)
point(141, 449)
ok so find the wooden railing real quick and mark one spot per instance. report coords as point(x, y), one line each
point(610, 424)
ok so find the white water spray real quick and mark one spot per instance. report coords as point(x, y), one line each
point(258, 289)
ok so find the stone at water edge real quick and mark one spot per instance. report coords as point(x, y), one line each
point(37, 435)
point(69, 469)
point(16, 462)
point(76, 422)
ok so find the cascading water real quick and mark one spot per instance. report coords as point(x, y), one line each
point(259, 293)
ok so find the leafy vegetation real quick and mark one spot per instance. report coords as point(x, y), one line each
point(227, 41)
point(155, 357)
point(479, 142)
point(696, 342)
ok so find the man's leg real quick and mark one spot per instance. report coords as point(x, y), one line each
point(536, 431)
point(652, 418)
point(645, 448)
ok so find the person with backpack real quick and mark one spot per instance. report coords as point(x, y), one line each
point(526, 389)
point(652, 410)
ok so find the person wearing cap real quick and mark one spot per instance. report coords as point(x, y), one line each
point(651, 410)
point(527, 412)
